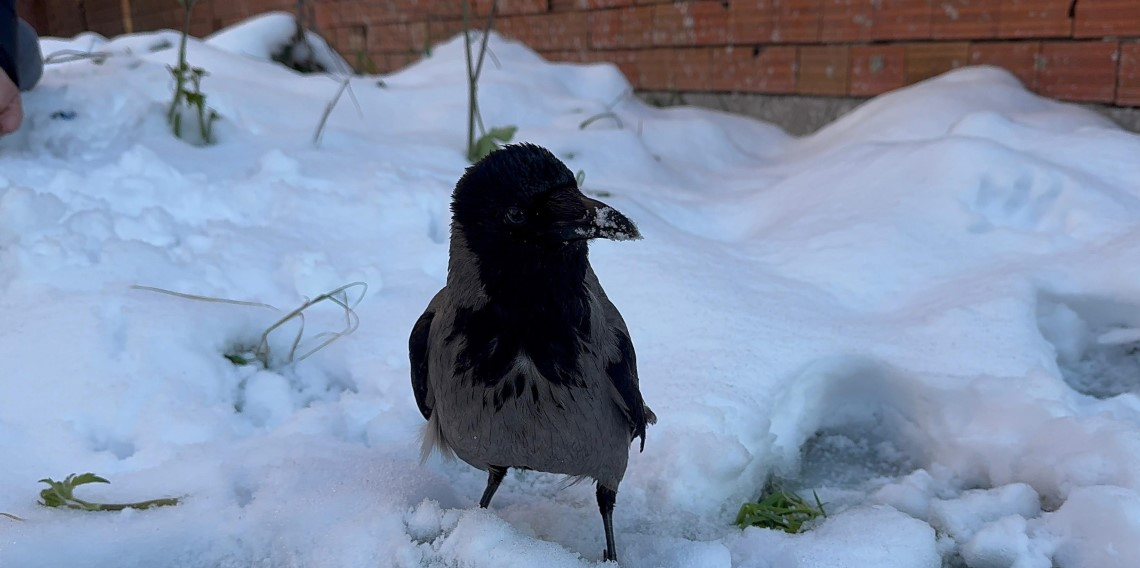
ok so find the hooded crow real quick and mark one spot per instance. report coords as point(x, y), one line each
point(521, 360)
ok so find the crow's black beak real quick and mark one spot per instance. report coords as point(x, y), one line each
point(599, 221)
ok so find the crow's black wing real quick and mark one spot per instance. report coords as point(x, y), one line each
point(623, 373)
point(418, 348)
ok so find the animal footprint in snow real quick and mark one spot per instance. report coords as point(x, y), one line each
point(1022, 205)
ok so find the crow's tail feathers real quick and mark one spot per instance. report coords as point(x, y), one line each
point(650, 418)
point(431, 439)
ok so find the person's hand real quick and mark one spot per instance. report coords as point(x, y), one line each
point(11, 110)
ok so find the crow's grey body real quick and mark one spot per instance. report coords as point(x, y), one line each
point(521, 360)
point(581, 432)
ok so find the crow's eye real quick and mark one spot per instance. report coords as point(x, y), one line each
point(515, 216)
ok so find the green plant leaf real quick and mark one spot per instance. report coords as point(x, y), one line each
point(489, 142)
point(503, 133)
point(85, 479)
point(60, 494)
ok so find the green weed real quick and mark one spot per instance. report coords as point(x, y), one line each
point(60, 494)
point(244, 355)
point(780, 509)
point(488, 141)
point(188, 93)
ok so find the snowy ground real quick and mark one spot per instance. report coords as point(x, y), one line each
point(929, 312)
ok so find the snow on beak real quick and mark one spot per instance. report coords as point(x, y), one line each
point(600, 221)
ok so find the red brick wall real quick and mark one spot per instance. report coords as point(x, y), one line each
point(1078, 50)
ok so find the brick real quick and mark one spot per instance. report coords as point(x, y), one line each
point(568, 5)
point(711, 22)
point(62, 17)
point(1083, 71)
point(751, 21)
point(637, 27)
point(690, 23)
point(508, 7)
point(754, 70)
point(397, 61)
point(623, 28)
point(323, 16)
point(965, 19)
point(1035, 18)
point(846, 20)
point(822, 70)
point(670, 26)
point(653, 69)
point(201, 19)
point(440, 31)
point(1019, 58)
point(412, 9)
point(568, 30)
point(397, 38)
point(926, 60)
point(351, 39)
point(601, 4)
point(877, 69)
point(1128, 84)
point(1099, 18)
point(691, 69)
point(796, 21)
point(564, 56)
point(605, 29)
point(376, 62)
point(337, 12)
point(170, 18)
point(107, 18)
point(357, 12)
point(902, 19)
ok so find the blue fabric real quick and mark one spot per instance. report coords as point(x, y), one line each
point(29, 61)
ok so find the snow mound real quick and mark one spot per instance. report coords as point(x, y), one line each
point(263, 36)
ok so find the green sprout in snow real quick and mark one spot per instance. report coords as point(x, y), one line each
point(61, 494)
point(779, 509)
point(188, 89)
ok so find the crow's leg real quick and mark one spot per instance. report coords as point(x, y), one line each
point(495, 476)
point(606, 499)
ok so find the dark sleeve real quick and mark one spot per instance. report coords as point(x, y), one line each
point(8, 42)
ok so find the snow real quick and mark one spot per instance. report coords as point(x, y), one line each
point(262, 36)
point(926, 313)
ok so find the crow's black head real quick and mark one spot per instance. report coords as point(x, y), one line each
point(522, 195)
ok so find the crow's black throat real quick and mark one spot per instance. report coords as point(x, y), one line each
point(538, 307)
